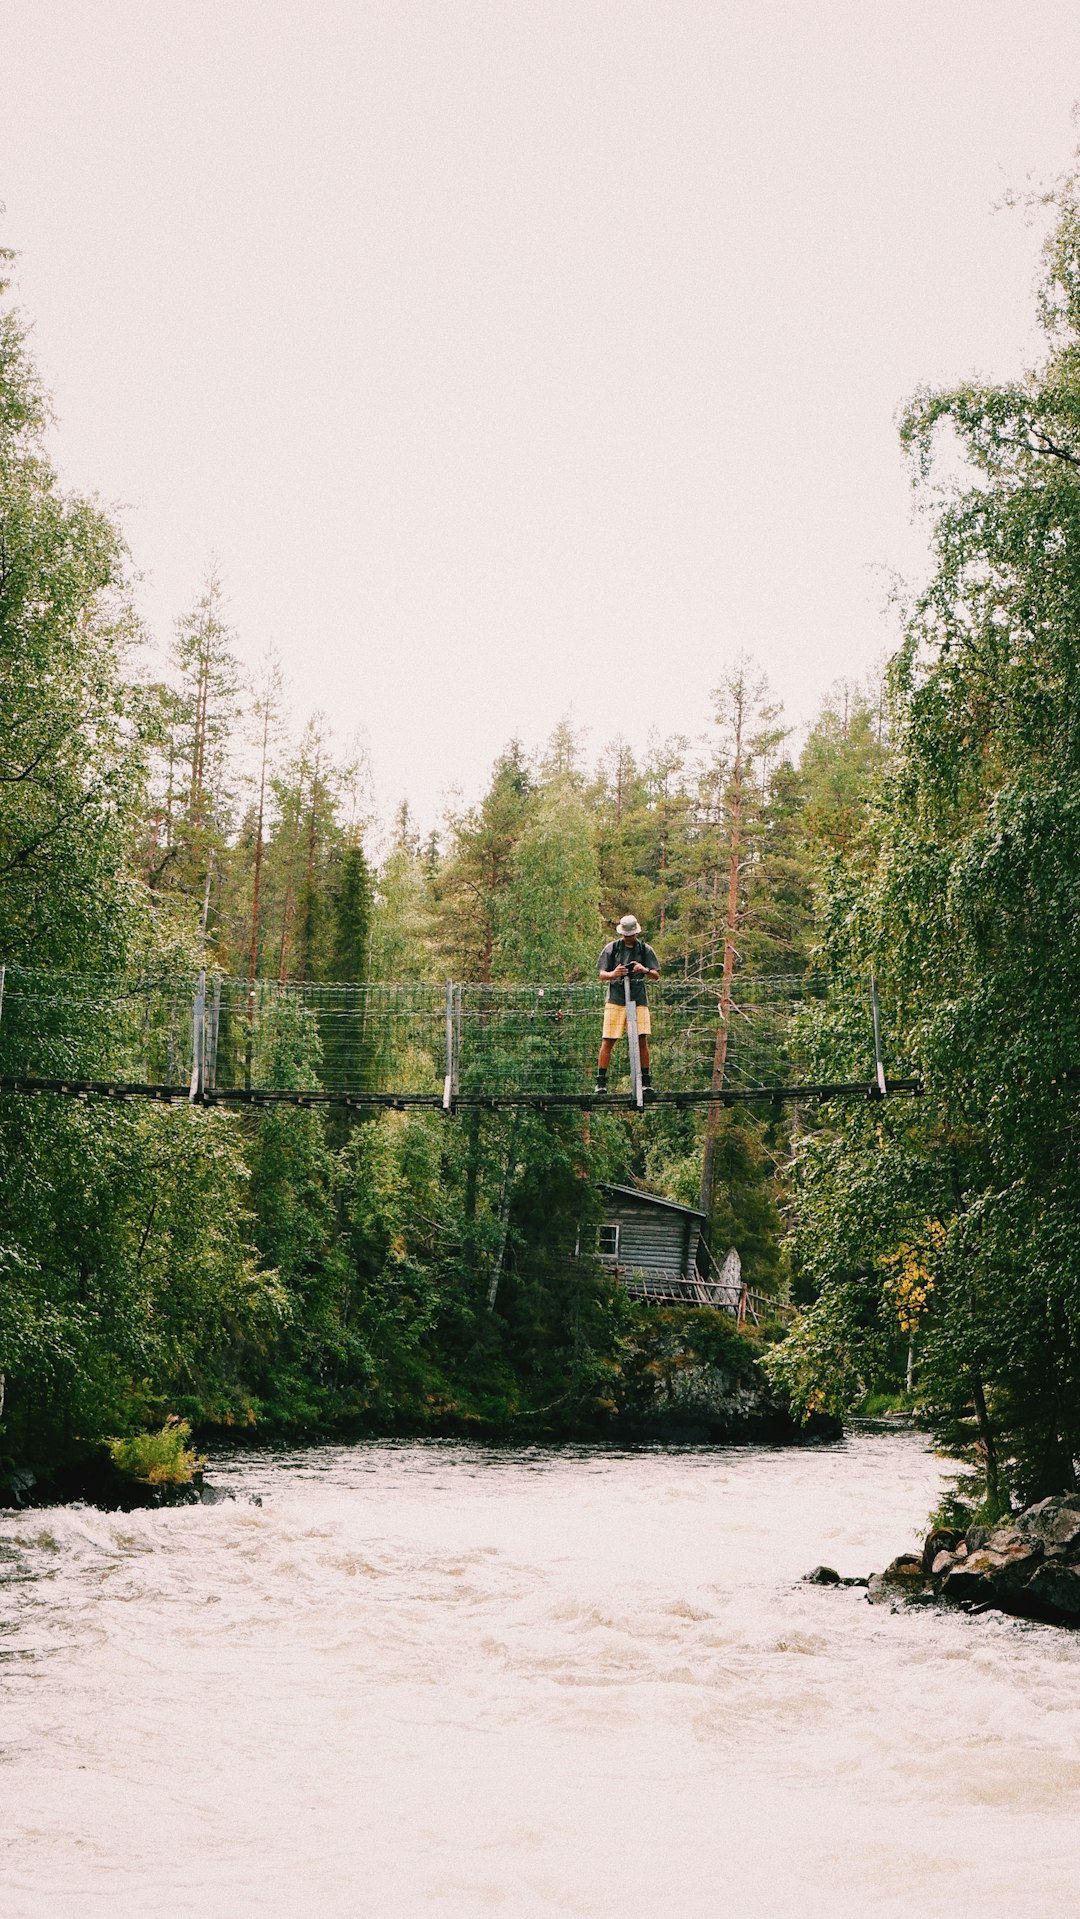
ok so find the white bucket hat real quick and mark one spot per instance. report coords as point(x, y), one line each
point(628, 926)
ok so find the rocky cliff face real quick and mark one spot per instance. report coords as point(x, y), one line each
point(690, 1374)
point(719, 1403)
point(1029, 1566)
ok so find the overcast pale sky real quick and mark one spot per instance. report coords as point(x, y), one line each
point(520, 358)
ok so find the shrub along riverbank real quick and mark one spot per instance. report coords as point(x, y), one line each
point(674, 1375)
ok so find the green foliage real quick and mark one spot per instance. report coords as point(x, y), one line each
point(469, 885)
point(352, 903)
point(69, 768)
point(197, 719)
point(836, 1348)
point(159, 1459)
point(547, 923)
point(401, 945)
point(968, 904)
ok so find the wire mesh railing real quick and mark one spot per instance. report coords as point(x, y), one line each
point(544, 1039)
point(208, 1036)
point(85, 1027)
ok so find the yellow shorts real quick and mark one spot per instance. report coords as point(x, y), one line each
point(615, 1020)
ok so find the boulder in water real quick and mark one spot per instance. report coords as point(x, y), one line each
point(1055, 1589)
point(1029, 1566)
point(997, 1573)
point(941, 1539)
point(903, 1578)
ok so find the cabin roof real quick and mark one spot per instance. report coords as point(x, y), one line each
point(653, 1199)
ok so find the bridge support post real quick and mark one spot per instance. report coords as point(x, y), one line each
point(212, 1037)
point(878, 1063)
point(448, 1079)
point(198, 1039)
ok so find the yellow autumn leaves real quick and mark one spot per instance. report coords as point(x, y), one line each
point(909, 1281)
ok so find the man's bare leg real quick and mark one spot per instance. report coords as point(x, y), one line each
point(607, 1047)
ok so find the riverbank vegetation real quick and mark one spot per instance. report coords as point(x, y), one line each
point(289, 1270)
point(955, 1219)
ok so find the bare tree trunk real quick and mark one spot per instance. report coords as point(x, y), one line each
point(986, 1434)
point(309, 873)
point(198, 751)
point(286, 935)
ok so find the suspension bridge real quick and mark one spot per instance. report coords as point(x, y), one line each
point(214, 1040)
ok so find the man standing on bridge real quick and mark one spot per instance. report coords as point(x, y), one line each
point(627, 954)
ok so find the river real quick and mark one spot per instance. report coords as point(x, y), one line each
point(426, 1678)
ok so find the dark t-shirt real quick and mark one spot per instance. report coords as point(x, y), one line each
point(624, 953)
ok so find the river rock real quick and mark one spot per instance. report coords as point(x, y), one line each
point(1029, 1565)
point(905, 1570)
point(18, 1488)
point(996, 1574)
point(944, 1561)
point(903, 1578)
point(1054, 1589)
point(1054, 1521)
point(828, 1576)
point(941, 1539)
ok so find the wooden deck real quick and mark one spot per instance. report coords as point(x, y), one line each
point(750, 1307)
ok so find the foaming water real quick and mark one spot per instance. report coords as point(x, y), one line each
point(435, 1679)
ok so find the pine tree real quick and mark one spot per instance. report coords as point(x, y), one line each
point(736, 788)
point(201, 811)
point(352, 904)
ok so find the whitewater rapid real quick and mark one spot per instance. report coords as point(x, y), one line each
point(432, 1679)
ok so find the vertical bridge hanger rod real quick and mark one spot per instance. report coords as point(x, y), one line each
point(198, 1039)
point(882, 1087)
point(448, 1080)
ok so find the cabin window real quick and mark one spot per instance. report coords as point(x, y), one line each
point(607, 1242)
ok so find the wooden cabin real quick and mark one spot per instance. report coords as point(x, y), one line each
point(652, 1244)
